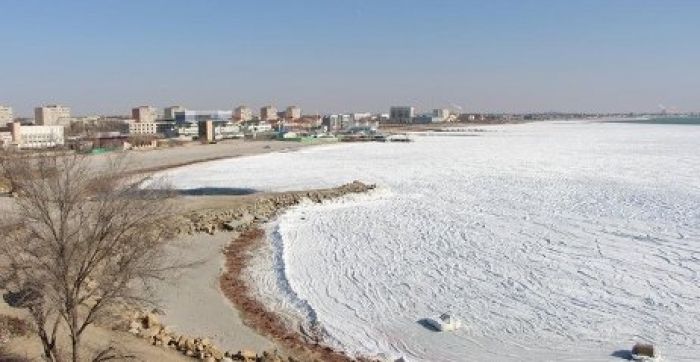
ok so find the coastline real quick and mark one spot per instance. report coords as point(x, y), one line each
point(242, 219)
point(256, 315)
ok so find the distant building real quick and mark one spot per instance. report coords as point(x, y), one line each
point(206, 131)
point(32, 136)
point(144, 114)
point(194, 124)
point(293, 113)
point(401, 114)
point(442, 113)
point(268, 114)
point(360, 118)
point(169, 114)
point(337, 122)
point(6, 115)
point(52, 115)
point(209, 131)
point(199, 116)
point(151, 128)
point(260, 127)
point(426, 118)
point(242, 114)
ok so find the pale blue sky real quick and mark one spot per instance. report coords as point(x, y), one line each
point(331, 55)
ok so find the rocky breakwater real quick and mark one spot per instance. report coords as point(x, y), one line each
point(260, 211)
point(149, 327)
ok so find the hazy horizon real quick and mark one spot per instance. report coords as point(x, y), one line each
point(502, 56)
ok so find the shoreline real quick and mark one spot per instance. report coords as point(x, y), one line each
point(255, 314)
point(247, 222)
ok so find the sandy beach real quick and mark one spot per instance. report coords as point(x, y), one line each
point(193, 302)
point(163, 158)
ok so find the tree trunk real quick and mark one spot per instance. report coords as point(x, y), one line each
point(76, 348)
point(75, 335)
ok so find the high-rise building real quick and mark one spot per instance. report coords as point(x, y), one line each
point(52, 115)
point(402, 114)
point(169, 114)
point(144, 114)
point(268, 113)
point(242, 114)
point(5, 115)
point(293, 113)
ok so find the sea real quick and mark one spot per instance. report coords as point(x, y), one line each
point(672, 120)
point(550, 241)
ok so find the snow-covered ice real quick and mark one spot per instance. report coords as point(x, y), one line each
point(550, 241)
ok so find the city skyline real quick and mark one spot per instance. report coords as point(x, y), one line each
point(514, 57)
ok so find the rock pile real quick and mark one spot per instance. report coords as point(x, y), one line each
point(262, 210)
point(148, 327)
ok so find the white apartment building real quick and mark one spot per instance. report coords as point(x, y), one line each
point(6, 115)
point(268, 114)
point(145, 114)
point(293, 113)
point(169, 112)
point(52, 115)
point(32, 136)
point(242, 114)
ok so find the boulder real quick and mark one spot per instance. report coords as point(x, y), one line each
point(149, 332)
point(135, 325)
point(151, 320)
point(214, 352)
point(247, 355)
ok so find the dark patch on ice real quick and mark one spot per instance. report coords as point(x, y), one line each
point(427, 323)
point(622, 353)
point(216, 191)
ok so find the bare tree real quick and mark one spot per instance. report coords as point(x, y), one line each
point(82, 241)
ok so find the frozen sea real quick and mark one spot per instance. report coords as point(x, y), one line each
point(564, 241)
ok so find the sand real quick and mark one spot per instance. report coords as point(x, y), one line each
point(163, 158)
point(193, 303)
